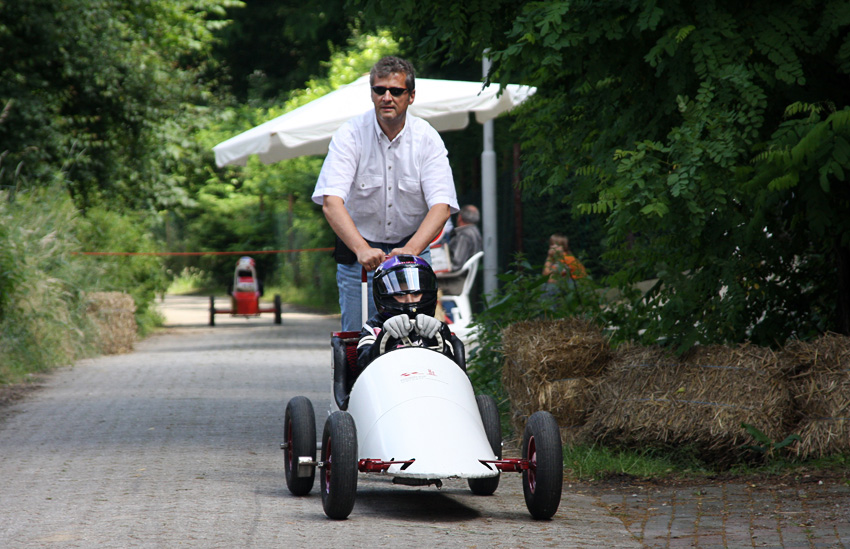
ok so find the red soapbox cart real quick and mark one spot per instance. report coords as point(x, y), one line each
point(245, 294)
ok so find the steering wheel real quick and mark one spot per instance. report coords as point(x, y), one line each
point(406, 340)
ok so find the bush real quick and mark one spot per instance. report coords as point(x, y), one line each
point(44, 282)
point(141, 276)
point(42, 310)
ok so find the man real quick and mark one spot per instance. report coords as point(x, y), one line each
point(386, 187)
point(465, 241)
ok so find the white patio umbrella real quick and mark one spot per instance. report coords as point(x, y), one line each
point(307, 130)
point(446, 104)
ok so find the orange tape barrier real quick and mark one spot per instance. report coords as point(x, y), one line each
point(255, 252)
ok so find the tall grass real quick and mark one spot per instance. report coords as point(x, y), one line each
point(42, 306)
point(43, 283)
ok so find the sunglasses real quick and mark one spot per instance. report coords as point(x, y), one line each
point(381, 90)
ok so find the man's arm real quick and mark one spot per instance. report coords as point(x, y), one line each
point(428, 230)
point(334, 209)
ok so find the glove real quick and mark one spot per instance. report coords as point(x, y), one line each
point(427, 326)
point(397, 326)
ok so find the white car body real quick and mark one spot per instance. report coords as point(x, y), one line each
point(417, 404)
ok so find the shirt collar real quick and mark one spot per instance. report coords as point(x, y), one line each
point(379, 133)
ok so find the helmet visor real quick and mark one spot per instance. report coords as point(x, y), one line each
point(406, 281)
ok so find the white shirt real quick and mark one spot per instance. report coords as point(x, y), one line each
point(387, 186)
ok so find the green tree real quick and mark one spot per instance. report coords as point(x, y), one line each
point(106, 91)
point(274, 46)
point(712, 138)
point(269, 207)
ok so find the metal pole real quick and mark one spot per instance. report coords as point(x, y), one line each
point(488, 201)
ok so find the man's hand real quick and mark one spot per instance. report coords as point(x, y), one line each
point(398, 326)
point(371, 258)
point(405, 250)
point(427, 326)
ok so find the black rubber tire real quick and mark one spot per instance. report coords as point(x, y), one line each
point(543, 481)
point(338, 475)
point(277, 310)
point(493, 427)
point(299, 434)
point(212, 310)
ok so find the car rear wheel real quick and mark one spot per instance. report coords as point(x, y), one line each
point(277, 310)
point(212, 310)
point(299, 432)
point(543, 480)
point(339, 465)
point(493, 427)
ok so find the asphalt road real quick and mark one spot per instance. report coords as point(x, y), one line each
point(177, 445)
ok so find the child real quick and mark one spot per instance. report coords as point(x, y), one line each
point(560, 261)
point(405, 292)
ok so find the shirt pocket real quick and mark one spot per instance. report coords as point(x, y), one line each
point(410, 199)
point(367, 194)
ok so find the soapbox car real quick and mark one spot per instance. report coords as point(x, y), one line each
point(245, 294)
point(412, 415)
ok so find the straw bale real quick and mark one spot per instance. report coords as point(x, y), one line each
point(566, 399)
point(649, 397)
point(829, 352)
point(822, 395)
point(113, 315)
point(550, 365)
point(557, 349)
point(570, 434)
point(824, 404)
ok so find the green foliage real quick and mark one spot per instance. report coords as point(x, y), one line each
point(765, 446)
point(44, 280)
point(190, 280)
point(274, 46)
point(42, 312)
point(594, 462)
point(269, 207)
point(710, 137)
point(141, 276)
point(104, 90)
point(443, 29)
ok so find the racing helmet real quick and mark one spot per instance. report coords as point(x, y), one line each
point(245, 267)
point(400, 275)
point(246, 261)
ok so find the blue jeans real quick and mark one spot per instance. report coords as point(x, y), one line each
point(348, 280)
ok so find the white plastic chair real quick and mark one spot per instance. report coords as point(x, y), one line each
point(462, 312)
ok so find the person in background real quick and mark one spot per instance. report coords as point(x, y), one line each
point(560, 261)
point(465, 242)
point(386, 187)
point(405, 294)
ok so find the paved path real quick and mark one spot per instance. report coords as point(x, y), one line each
point(798, 512)
point(177, 445)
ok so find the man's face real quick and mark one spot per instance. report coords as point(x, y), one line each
point(389, 109)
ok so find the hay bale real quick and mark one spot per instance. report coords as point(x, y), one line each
point(649, 397)
point(551, 365)
point(821, 392)
point(829, 352)
point(113, 315)
point(570, 434)
point(566, 399)
point(557, 349)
